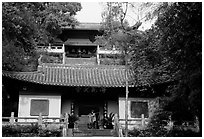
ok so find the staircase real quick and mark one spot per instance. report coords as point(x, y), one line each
point(83, 131)
point(92, 133)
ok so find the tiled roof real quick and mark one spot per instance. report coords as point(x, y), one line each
point(78, 75)
point(77, 41)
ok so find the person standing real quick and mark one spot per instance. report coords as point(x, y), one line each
point(92, 119)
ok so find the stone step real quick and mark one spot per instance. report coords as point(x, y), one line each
point(93, 132)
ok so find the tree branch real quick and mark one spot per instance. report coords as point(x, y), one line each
point(124, 15)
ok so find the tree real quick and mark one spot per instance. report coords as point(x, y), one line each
point(182, 43)
point(170, 51)
point(173, 48)
point(18, 30)
point(26, 24)
point(118, 34)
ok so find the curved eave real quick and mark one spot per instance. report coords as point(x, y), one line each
point(82, 76)
point(85, 76)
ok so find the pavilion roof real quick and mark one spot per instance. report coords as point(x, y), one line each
point(85, 26)
point(77, 41)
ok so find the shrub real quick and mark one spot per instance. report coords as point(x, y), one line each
point(157, 128)
point(28, 131)
point(19, 130)
point(108, 121)
point(175, 132)
point(50, 133)
point(180, 132)
point(52, 58)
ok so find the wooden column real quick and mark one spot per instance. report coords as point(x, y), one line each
point(63, 60)
point(105, 109)
point(72, 108)
point(97, 55)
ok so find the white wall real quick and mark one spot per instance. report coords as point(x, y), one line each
point(25, 103)
point(122, 106)
point(135, 122)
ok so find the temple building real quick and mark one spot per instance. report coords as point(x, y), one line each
point(79, 76)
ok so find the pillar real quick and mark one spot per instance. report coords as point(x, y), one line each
point(49, 47)
point(105, 108)
point(72, 108)
point(12, 120)
point(63, 54)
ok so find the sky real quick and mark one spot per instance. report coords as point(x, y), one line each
point(91, 13)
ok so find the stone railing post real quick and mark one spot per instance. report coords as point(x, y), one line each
point(12, 120)
point(65, 126)
point(117, 126)
point(40, 119)
point(49, 47)
point(143, 120)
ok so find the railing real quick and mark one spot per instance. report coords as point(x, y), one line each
point(103, 51)
point(139, 123)
point(118, 124)
point(52, 49)
point(40, 120)
point(112, 57)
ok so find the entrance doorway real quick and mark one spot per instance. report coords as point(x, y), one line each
point(86, 109)
point(84, 112)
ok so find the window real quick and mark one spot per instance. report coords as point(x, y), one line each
point(138, 108)
point(39, 106)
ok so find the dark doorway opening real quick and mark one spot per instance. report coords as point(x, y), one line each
point(86, 109)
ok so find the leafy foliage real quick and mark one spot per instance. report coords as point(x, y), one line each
point(170, 51)
point(52, 58)
point(108, 121)
point(26, 24)
point(111, 25)
point(159, 125)
point(176, 132)
point(173, 48)
point(72, 118)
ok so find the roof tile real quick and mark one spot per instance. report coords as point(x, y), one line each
point(106, 76)
point(76, 75)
